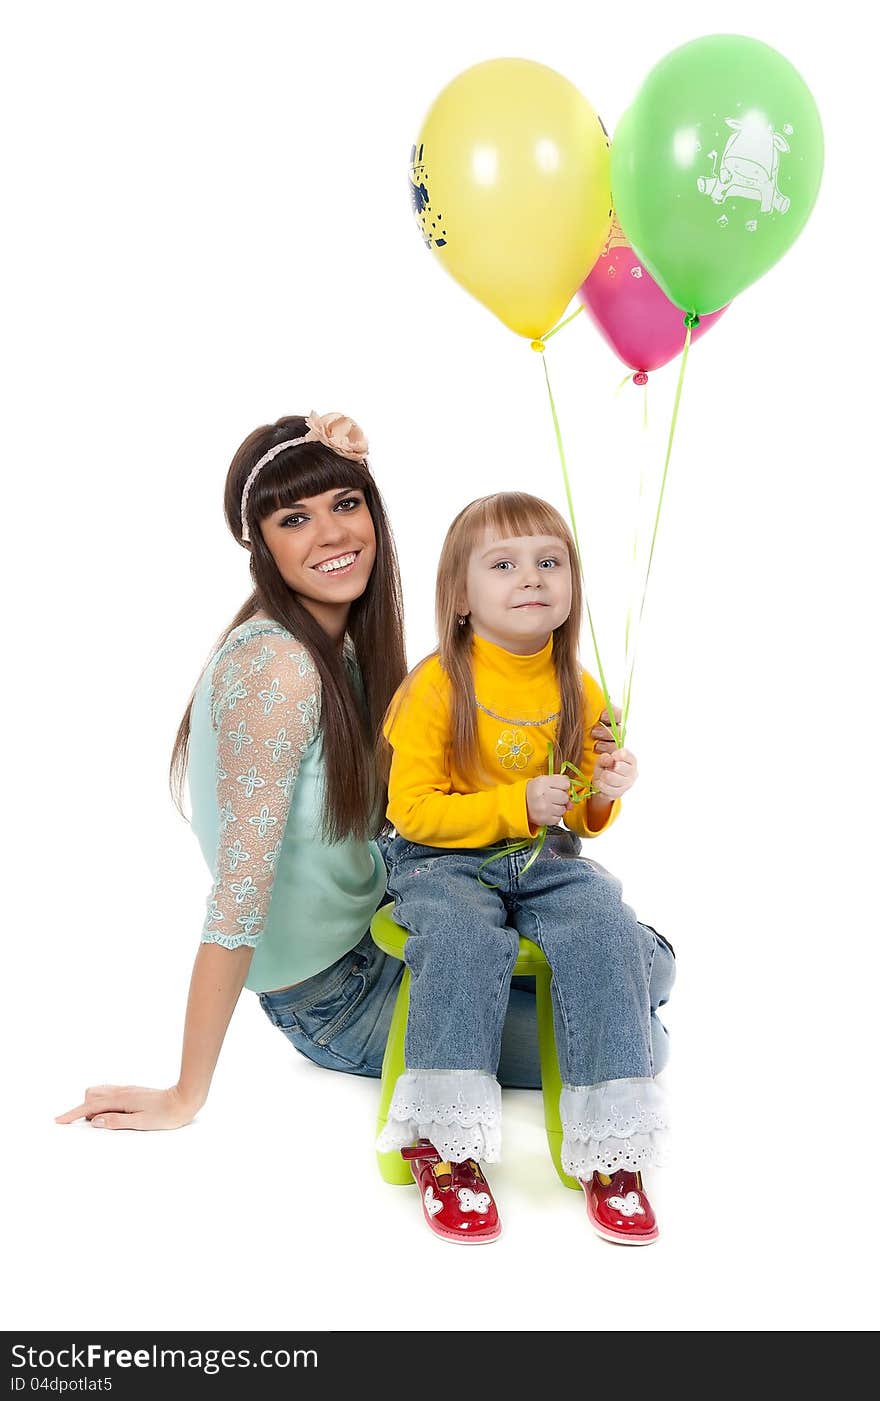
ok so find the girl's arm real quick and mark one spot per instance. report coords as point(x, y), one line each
point(422, 805)
point(217, 980)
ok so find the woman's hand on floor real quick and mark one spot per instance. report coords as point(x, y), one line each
point(132, 1107)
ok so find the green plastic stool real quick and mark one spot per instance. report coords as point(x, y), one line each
point(530, 963)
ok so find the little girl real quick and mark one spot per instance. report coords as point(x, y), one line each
point(470, 779)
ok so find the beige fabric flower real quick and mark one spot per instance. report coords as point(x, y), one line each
point(341, 434)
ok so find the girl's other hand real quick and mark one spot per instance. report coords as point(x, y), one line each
point(132, 1107)
point(547, 799)
point(615, 773)
point(603, 733)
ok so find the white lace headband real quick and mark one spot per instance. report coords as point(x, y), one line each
point(334, 430)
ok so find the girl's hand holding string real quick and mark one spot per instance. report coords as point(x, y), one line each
point(615, 773)
point(616, 769)
point(547, 798)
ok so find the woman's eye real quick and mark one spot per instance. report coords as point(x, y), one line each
point(291, 520)
point(349, 503)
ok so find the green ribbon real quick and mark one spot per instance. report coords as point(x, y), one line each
point(628, 683)
point(618, 736)
point(618, 729)
point(630, 633)
point(563, 323)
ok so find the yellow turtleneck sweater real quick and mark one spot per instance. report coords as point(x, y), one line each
point(429, 801)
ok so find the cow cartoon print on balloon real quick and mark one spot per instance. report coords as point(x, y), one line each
point(430, 220)
point(749, 167)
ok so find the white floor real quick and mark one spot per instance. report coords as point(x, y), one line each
point(241, 1222)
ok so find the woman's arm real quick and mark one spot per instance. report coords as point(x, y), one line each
point(266, 713)
point(217, 980)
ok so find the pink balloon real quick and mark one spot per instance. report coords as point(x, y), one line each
point(636, 318)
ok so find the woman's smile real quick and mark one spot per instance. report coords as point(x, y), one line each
point(338, 564)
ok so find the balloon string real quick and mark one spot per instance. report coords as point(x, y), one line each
point(618, 734)
point(627, 689)
point(562, 323)
point(629, 633)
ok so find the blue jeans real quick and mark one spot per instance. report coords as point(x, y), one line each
point(609, 972)
point(340, 1017)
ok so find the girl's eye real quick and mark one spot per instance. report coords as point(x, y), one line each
point(503, 564)
point(550, 562)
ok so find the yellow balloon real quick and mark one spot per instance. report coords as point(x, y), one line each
point(511, 187)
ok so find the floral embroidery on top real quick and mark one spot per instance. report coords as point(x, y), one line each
point(251, 780)
point(303, 663)
point(513, 749)
point(309, 709)
point(279, 744)
point(272, 697)
point(260, 662)
point(239, 737)
point(235, 854)
point(275, 694)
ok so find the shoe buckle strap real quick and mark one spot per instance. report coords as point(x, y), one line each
point(424, 1152)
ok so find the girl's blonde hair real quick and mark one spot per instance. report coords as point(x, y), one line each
point(506, 515)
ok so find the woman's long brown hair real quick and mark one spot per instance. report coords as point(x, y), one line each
point(505, 515)
point(355, 793)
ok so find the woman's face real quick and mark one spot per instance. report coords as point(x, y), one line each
point(325, 548)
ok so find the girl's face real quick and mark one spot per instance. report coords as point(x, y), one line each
point(518, 590)
point(325, 548)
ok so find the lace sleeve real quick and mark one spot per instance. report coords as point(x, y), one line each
point(265, 709)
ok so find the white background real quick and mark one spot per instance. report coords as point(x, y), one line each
point(207, 225)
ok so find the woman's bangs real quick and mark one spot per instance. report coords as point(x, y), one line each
point(305, 471)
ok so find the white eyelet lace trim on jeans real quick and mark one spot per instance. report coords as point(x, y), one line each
point(458, 1111)
point(615, 1124)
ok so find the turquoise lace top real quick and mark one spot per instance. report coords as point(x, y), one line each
point(256, 783)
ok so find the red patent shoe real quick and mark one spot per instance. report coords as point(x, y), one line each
point(619, 1210)
point(456, 1199)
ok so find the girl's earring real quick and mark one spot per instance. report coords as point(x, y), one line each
point(461, 620)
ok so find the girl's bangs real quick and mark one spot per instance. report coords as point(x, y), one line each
point(512, 514)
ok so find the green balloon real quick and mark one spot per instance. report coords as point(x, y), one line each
point(715, 167)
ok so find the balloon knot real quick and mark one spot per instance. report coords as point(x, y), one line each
point(691, 319)
point(640, 378)
point(539, 346)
